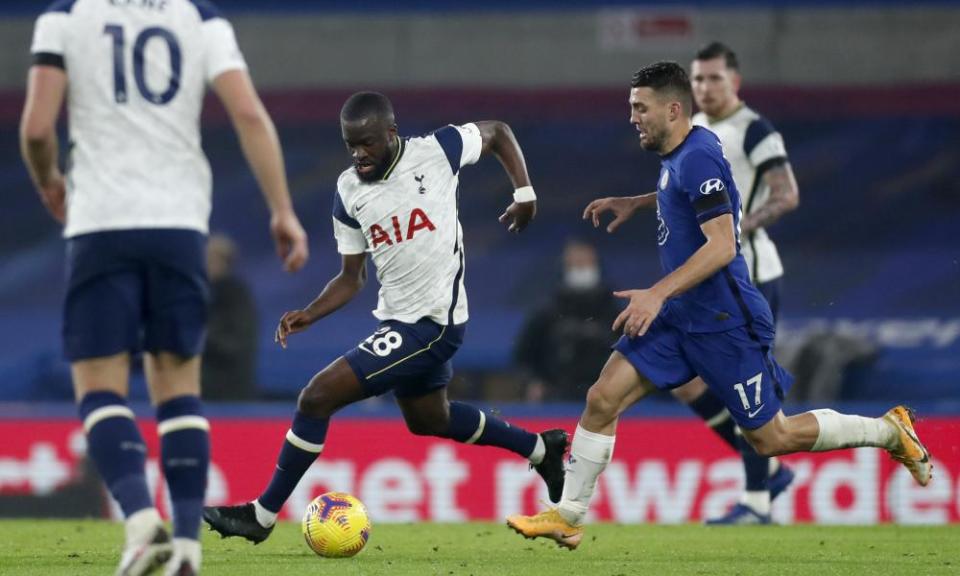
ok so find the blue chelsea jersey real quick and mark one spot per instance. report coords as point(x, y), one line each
point(696, 185)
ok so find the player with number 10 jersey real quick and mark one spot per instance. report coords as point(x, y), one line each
point(137, 79)
point(135, 201)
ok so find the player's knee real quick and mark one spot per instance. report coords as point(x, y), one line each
point(601, 402)
point(316, 401)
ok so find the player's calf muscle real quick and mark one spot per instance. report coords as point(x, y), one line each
point(423, 427)
point(783, 435)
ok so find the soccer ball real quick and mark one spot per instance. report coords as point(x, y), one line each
point(336, 525)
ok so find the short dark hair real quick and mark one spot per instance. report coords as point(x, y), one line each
point(719, 50)
point(666, 77)
point(366, 104)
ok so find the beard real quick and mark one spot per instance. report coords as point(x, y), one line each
point(653, 142)
point(373, 175)
point(655, 138)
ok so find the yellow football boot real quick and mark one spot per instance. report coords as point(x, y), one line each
point(547, 524)
point(909, 451)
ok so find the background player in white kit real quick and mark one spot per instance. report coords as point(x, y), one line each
point(768, 190)
point(761, 170)
point(135, 204)
point(399, 204)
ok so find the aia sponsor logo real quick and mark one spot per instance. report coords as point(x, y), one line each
point(417, 221)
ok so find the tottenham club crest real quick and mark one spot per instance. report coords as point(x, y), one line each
point(710, 186)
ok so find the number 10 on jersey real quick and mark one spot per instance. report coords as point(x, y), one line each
point(120, 93)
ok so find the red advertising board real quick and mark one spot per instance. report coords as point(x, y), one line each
point(664, 471)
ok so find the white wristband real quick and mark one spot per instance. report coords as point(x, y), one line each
point(524, 194)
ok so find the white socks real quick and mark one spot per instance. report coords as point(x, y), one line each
point(265, 517)
point(758, 501)
point(539, 451)
point(589, 454)
point(846, 431)
point(140, 526)
point(184, 549)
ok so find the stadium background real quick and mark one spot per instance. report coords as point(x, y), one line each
point(866, 93)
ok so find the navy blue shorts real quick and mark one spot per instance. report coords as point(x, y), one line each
point(410, 359)
point(133, 290)
point(771, 292)
point(736, 364)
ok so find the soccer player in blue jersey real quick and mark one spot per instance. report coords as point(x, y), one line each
point(704, 318)
point(398, 205)
point(768, 190)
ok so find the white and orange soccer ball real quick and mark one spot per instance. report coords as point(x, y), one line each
point(336, 525)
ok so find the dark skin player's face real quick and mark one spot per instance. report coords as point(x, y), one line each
point(372, 144)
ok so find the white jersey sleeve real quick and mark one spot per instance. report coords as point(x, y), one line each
point(346, 228)
point(220, 48)
point(461, 144)
point(472, 143)
point(762, 143)
point(48, 35)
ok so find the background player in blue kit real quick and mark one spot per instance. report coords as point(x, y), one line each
point(135, 207)
point(704, 318)
point(398, 203)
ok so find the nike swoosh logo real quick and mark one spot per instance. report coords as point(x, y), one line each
point(755, 412)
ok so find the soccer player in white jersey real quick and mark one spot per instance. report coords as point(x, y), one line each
point(762, 172)
point(135, 204)
point(398, 204)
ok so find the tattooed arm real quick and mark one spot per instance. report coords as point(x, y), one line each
point(784, 197)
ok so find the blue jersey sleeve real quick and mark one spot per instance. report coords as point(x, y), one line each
point(705, 181)
point(452, 143)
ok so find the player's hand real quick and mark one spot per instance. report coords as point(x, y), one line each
point(290, 240)
point(53, 194)
point(640, 313)
point(519, 214)
point(291, 323)
point(622, 209)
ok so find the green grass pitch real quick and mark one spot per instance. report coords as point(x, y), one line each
point(35, 547)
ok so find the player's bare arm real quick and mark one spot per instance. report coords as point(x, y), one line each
point(499, 140)
point(46, 87)
point(784, 197)
point(261, 148)
point(340, 290)
point(623, 208)
point(718, 251)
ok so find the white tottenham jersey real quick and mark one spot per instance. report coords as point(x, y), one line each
point(752, 146)
point(408, 223)
point(137, 73)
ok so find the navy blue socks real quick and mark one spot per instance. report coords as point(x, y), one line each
point(116, 447)
point(303, 444)
point(712, 410)
point(471, 426)
point(185, 458)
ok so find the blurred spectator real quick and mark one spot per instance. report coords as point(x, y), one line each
point(229, 360)
point(563, 346)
